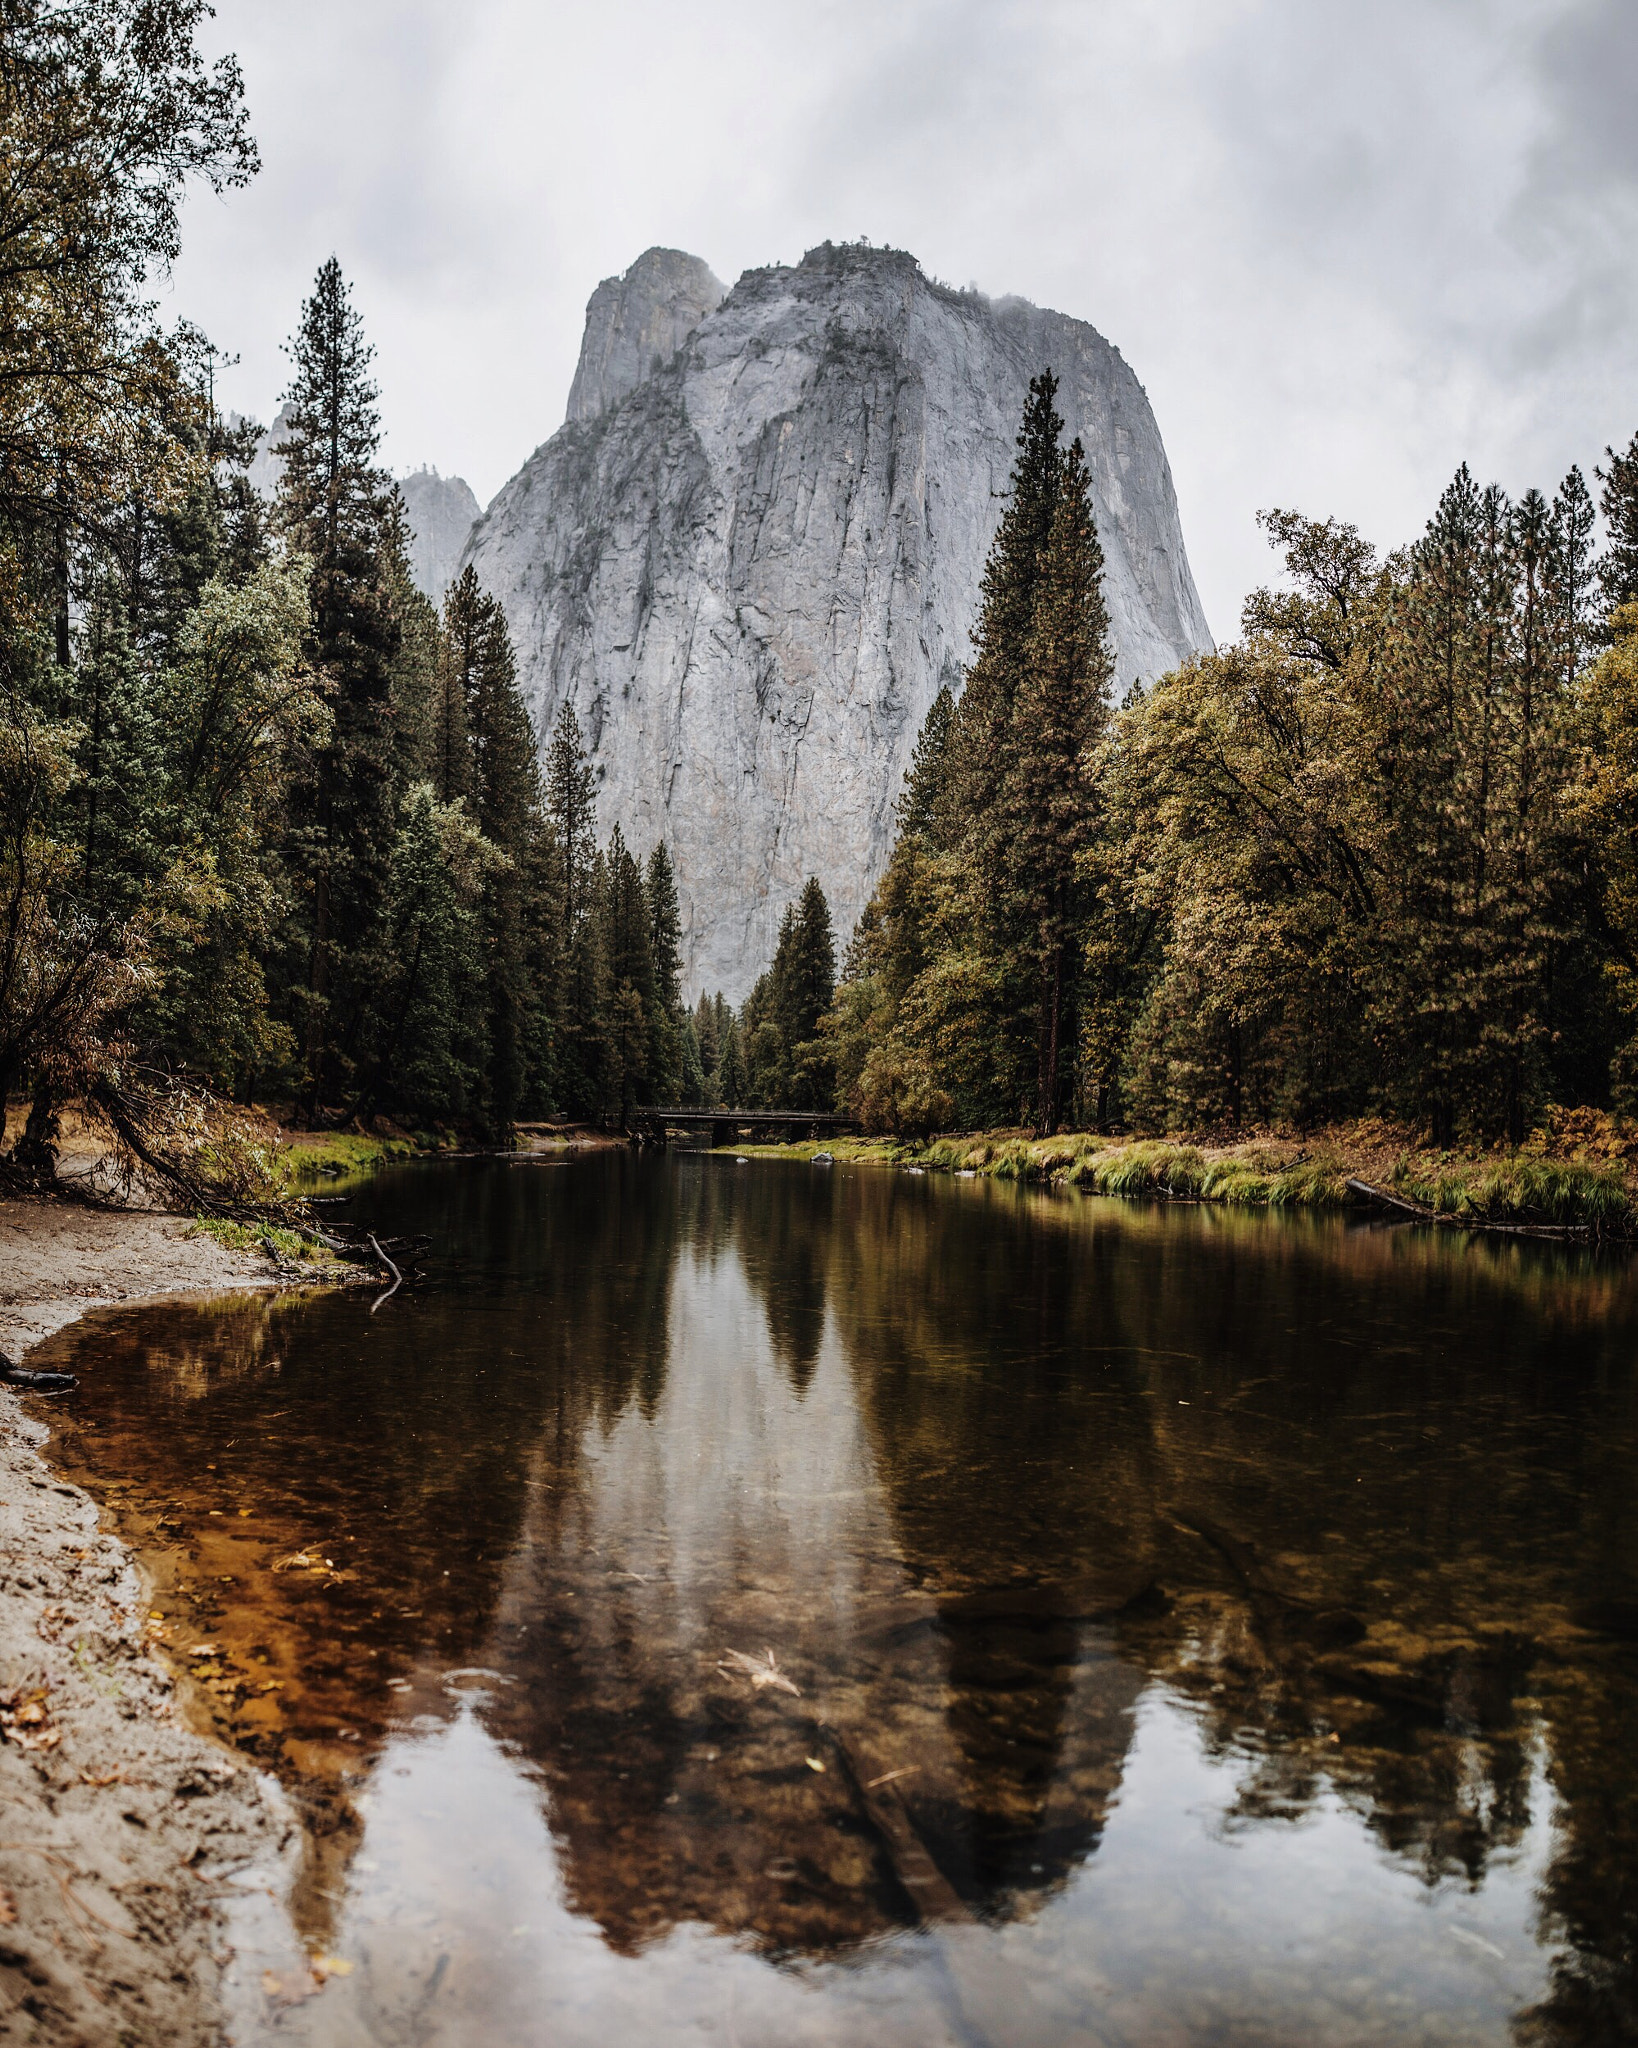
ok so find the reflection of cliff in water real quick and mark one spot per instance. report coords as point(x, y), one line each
point(974, 1465)
point(745, 1515)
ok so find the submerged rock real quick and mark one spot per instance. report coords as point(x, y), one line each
point(753, 553)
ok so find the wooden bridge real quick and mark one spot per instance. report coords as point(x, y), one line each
point(728, 1126)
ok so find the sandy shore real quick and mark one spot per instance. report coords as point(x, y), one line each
point(118, 1821)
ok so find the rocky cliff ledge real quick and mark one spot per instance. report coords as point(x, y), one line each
point(753, 553)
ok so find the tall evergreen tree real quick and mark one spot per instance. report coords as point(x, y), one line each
point(668, 1061)
point(1049, 798)
point(582, 992)
point(1006, 616)
point(454, 685)
point(504, 780)
point(731, 1079)
point(1618, 500)
point(341, 510)
point(705, 1031)
point(632, 988)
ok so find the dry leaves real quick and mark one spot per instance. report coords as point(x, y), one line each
point(285, 1988)
point(23, 1720)
point(762, 1671)
point(54, 1620)
point(312, 1561)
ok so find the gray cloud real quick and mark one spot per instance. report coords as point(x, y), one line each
point(1344, 250)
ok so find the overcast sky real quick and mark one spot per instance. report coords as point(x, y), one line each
point(1345, 246)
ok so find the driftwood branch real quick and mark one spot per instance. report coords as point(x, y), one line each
point(1382, 1196)
point(397, 1277)
point(1422, 1214)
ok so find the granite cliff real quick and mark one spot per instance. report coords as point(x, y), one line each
point(752, 554)
point(438, 510)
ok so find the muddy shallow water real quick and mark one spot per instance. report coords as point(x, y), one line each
point(774, 1604)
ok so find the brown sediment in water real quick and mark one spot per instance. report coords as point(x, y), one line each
point(121, 1818)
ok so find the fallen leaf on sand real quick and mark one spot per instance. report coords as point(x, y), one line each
point(23, 1721)
point(761, 1671)
point(8, 1908)
point(54, 1620)
point(284, 1988)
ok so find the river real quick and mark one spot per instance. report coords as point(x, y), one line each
point(775, 1604)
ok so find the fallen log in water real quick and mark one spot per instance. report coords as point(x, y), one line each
point(27, 1381)
point(1388, 1200)
point(1420, 1213)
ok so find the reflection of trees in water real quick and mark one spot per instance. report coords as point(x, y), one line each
point(779, 1226)
point(1380, 1478)
point(1007, 1464)
point(399, 1447)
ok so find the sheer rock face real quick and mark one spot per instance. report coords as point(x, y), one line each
point(635, 324)
point(440, 511)
point(751, 568)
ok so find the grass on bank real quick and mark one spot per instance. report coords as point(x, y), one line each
point(1528, 1187)
point(294, 1245)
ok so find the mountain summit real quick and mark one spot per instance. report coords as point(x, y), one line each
point(753, 553)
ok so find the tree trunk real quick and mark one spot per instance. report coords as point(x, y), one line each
point(36, 1149)
point(318, 979)
point(1051, 1024)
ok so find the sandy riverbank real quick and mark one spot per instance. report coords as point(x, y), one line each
point(118, 1820)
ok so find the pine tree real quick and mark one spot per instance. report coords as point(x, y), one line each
point(581, 998)
point(455, 684)
point(504, 781)
point(571, 801)
point(706, 1013)
point(732, 1080)
point(1049, 799)
point(1618, 567)
point(1007, 613)
point(668, 1062)
point(807, 990)
point(428, 1053)
point(419, 672)
point(693, 1083)
point(341, 509)
point(1574, 571)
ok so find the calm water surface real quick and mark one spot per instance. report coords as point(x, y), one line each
point(778, 1605)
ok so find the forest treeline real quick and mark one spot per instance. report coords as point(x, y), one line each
point(274, 826)
point(1380, 855)
point(271, 824)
